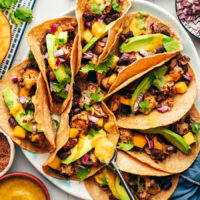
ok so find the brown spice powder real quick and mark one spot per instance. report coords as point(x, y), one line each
point(4, 152)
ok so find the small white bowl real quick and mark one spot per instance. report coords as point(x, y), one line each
point(12, 153)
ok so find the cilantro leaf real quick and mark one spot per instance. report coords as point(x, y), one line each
point(115, 6)
point(93, 132)
point(57, 87)
point(138, 183)
point(31, 56)
point(96, 97)
point(195, 129)
point(96, 8)
point(82, 173)
point(141, 25)
point(87, 107)
point(63, 94)
point(126, 146)
point(25, 14)
point(144, 105)
point(89, 67)
point(104, 181)
point(60, 41)
point(56, 123)
point(141, 15)
point(14, 19)
point(5, 4)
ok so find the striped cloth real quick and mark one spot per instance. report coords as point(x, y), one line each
point(17, 33)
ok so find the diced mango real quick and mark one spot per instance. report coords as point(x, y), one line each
point(99, 1)
point(139, 140)
point(100, 122)
point(133, 27)
point(109, 126)
point(99, 177)
point(52, 62)
point(181, 87)
point(116, 59)
point(125, 101)
point(189, 138)
point(19, 132)
point(16, 108)
point(55, 164)
point(175, 75)
point(73, 132)
point(157, 144)
point(168, 78)
point(87, 35)
point(29, 83)
point(115, 107)
point(24, 92)
point(98, 29)
point(112, 79)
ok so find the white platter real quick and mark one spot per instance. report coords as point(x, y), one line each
point(78, 189)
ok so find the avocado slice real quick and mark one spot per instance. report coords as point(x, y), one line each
point(92, 42)
point(121, 190)
point(172, 137)
point(61, 73)
point(149, 43)
point(10, 99)
point(110, 178)
point(76, 152)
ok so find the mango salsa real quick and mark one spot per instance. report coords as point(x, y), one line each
point(19, 132)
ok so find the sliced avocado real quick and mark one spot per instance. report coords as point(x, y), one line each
point(61, 73)
point(10, 99)
point(172, 137)
point(92, 42)
point(149, 43)
point(51, 45)
point(86, 145)
point(110, 178)
point(121, 190)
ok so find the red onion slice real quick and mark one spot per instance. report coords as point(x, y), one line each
point(67, 87)
point(54, 28)
point(150, 142)
point(58, 62)
point(34, 129)
point(163, 109)
point(187, 76)
point(139, 99)
point(51, 87)
point(59, 53)
point(14, 79)
point(93, 118)
point(22, 100)
point(145, 53)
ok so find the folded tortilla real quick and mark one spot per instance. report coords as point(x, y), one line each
point(63, 136)
point(132, 166)
point(176, 162)
point(182, 104)
point(42, 113)
point(34, 38)
point(125, 76)
point(113, 32)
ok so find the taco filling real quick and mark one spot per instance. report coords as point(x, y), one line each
point(88, 142)
point(159, 143)
point(56, 48)
point(22, 107)
point(99, 16)
point(143, 187)
point(154, 90)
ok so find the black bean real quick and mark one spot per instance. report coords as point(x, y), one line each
point(12, 122)
point(160, 49)
point(88, 17)
point(43, 49)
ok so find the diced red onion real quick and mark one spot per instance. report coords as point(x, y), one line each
point(14, 79)
point(150, 142)
point(34, 129)
point(93, 118)
point(67, 87)
point(54, 28)
point(88, 55)
point(46, 56)
point(187, 76)
point(62, 60)
point(139, 99)
point(163, 109)
point(145, 53)
point(59, 53)
point(22, 100)
point(85, 159)
point(51, 87)
point(58, 62)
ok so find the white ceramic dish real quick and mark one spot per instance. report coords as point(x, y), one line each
point(78, 189)
point(12, 154)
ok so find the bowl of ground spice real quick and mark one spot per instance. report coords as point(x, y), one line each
point(7, 153)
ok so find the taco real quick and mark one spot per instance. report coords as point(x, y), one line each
point(171, 149)
point(144, 42)
point(106, 185)
point(54, 45)
point(157, 98)
point(99, 25)
point(87, 134)
point(25, 114)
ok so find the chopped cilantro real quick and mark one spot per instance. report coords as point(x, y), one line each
point(144, 105)
point(141, 15)
point(93, 132)
point(115, 6)
point(96, 97)
point(82, 173)
point(126, 146)
point(57, 87)
point(195, 129)
point(25, 14)
point(104, 181)
point(63, 94)
point(60, 41)
point(96, 8)
point(56, 123)
point(14, 19)
point(87, 107)
point(141, 25)
point(5, 4)
point(89, 67)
